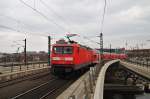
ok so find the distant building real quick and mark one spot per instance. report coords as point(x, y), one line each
point(1, 57)
point(19, 57)
point(138, 53)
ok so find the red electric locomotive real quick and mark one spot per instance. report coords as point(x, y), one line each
point(67, 58)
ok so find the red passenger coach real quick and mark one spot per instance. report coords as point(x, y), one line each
point(108, 56)
point(95, 57)
point(67, 58)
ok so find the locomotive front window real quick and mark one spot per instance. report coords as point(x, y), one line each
point(67, 50)
point(63, 50)
point(58, 50)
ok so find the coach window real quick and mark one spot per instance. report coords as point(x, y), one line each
point(68, 50)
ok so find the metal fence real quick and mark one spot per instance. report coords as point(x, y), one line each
point(14, 67)
point(141, 63)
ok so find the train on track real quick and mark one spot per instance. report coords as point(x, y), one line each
point(107, 55)
point(71, 57)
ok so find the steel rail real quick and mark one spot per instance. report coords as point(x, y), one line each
point(37, 87)
point(17, 80)
point(48, 93)
point(55, 89)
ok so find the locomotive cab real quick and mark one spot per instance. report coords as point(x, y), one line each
point(62, 58)
point(62, 55)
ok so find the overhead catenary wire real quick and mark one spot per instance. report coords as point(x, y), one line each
point(62, 18)
point(13, 29)
point(17, 21)
point(43, 15)
point(9, 28)
point(54, 12)
point(48, 7)
point(20, 23)
point(47, 18)
point(102, 22)
point(56, 15)
point(92, 41)
point(13, 19)
point(103, 16)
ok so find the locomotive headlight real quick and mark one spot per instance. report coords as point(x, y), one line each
point(55, 58)
point(69, 58)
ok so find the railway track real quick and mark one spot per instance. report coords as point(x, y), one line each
point(17, 80)
point(45, 90)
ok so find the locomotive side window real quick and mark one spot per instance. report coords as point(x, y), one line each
point(58, 50)
point(68, 50)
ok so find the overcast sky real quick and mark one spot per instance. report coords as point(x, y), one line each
point(125, 21)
